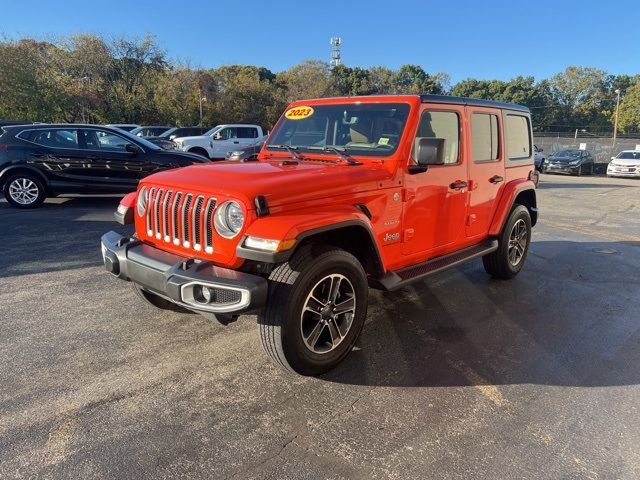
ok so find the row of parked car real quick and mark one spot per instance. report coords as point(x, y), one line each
point(43, 160)
point(234, 141)
point(574, 161)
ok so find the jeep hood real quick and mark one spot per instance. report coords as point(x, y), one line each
point(279, 183)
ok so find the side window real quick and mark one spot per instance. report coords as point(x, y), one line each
point(444, 125)
point(248, 132)
point(109, 141)
point(53, 138)
point(228, 133)
point(484, 137)
point(518, 132)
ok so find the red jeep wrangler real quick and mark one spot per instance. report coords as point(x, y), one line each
point(346, 194)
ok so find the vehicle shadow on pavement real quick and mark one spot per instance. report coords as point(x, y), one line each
point(571, 318)
point(55, 236)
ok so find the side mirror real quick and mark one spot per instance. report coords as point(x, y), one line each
point(132, 148)
point(541, 150)
point(428, 151)
point(613, 158)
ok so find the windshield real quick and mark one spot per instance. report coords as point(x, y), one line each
point(568, 153)
point(141, 140)
point(629, 155)
point(371, 129)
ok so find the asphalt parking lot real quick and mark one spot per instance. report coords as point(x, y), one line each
point(460, 377)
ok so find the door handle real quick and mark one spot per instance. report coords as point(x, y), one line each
point(37, 154)
point(458, 185)
point(496, 179)
point(236, 142)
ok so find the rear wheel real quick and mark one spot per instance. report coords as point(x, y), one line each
point(24, 190)
point(157, 301)
point(315, 310)
point(513, 246)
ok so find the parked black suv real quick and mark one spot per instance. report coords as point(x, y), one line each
point(37, 161)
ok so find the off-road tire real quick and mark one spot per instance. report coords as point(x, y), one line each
point(497, 263)
point(157, 301)
point(290, 285)
point(31, 179)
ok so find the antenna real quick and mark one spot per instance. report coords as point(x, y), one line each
point(336, 55)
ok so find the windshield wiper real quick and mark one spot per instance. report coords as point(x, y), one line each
point(340, 151)
point(290, 149)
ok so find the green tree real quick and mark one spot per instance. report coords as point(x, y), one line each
point(412, 79)
point(382, 80)
point(310, 79)
point(584, 93)
point(629, 115)
point(351, 81)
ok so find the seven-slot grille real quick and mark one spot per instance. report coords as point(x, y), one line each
point(183, 219)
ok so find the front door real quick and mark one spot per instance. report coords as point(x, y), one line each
point(486, 168)
point(113, 168)
point(436, 200)
point(233, 138)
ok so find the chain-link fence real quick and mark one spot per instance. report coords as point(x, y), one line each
point(602, 148)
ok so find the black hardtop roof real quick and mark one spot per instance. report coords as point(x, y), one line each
point(476, 102)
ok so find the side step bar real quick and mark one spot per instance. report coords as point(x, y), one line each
point(399, 278)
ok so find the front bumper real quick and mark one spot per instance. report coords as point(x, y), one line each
point(623, 171)
point(566, 169)
point(180, 279)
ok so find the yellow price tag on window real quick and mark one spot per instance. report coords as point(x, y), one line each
point(298, 113)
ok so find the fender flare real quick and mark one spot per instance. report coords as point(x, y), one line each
point(507, 199)
point(129, 200)
point(303, 230)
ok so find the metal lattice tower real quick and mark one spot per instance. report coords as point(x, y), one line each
point(336, 54)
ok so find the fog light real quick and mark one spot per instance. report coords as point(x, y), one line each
point(203, 294)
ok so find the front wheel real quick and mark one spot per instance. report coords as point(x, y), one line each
point(200, 151)
point(316, 308)
point(513, 246)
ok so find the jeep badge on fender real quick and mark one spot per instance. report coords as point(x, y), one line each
point(299, 236)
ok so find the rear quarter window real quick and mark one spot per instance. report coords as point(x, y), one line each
point(518, 132)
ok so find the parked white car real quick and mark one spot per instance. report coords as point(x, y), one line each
point(220, 140)
point(625, 164)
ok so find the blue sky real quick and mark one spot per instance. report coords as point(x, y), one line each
point(481, 39)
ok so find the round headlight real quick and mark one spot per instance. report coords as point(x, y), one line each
point(229, 219)
point(142, 201)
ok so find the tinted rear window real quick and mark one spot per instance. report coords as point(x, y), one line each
point(518, 137)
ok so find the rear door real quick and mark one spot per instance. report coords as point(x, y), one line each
point(486, 168)
point(57, 153)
